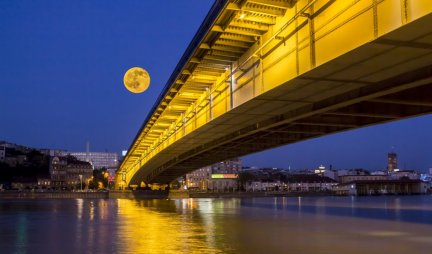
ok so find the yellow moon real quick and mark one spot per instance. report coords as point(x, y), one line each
point(136, 80)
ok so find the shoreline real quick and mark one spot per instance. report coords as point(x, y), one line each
point(148, 194)
point(52, 195)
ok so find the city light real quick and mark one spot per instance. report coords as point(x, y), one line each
point(224, 176)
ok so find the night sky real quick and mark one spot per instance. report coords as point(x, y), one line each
point(61, 83)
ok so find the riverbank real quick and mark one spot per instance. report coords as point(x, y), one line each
point(144, 194)
point(184, 194)
point(138, 194)
point(50, 195)
point(148, 194)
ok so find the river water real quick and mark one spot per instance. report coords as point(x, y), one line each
point(256, 225)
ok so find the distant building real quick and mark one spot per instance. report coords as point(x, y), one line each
point(43, 183)
point(98, 159)
point(69, 173)
point(223, 182)
point(382, 187)
point(221, 176)
point(320, 170)
point(392, 162)
point(405, 174)
point(199, 178)
point(233, 166)
point(352, 178)
point(294, 183)
point(378, 173)
point(310, 183)
point(332, 174)
point(265, 186)
point(357, 171)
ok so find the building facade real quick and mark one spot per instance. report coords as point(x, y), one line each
point(264, 186)
point(232, 166)
point(220, 177)
point(69, 173)
point(383, 187)
point(404, 174)
point(199, 179)
point(392, 162)
point(352, 178)
point(310, 183)
point(98, 159)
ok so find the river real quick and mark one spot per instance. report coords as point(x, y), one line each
point(387, 224)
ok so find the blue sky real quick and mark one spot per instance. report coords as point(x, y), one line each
point(62, 65)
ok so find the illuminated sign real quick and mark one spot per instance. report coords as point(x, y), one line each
point(224, 176)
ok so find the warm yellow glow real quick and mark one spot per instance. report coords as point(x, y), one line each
point(188, 94)
point(158, 226)
point(136, 80)
point(206, 94)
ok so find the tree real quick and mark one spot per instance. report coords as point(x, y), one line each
point(245, 177)
point(100, 179)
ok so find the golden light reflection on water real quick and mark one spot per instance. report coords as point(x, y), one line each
point(266, 225)
point(79, 204)
point(168, 226)
point(396, 225)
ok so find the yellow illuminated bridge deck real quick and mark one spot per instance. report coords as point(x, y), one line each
point(264, 73)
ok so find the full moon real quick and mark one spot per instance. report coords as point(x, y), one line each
point(136, 80)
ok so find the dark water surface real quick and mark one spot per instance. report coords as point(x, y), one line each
point(258, 225)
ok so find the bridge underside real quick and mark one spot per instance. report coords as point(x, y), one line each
point(385, 80)
point(339, 65)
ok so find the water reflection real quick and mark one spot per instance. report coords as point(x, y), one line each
point(386, 209)
point(21, 235)
point(79, 208)
point(258, 225)
point(170, 226)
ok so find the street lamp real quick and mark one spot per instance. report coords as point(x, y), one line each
point(80, 176)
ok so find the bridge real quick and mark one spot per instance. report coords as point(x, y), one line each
point(264, 73)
